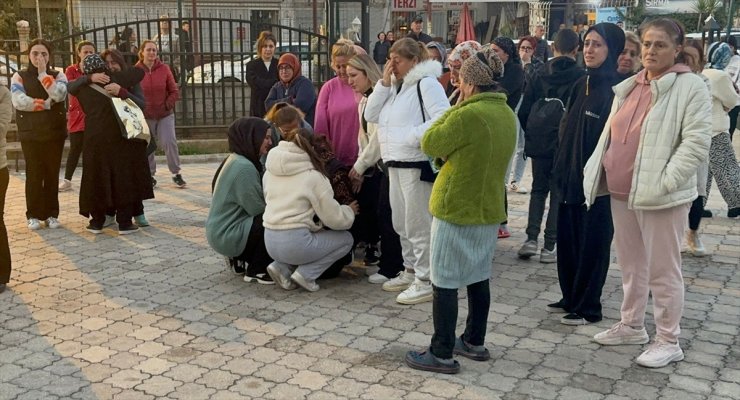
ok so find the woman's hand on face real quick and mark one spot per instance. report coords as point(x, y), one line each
point(100, 78)
point(355, 206)
point(112, 88)
point(387, 73)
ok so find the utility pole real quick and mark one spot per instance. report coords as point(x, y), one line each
point(38, 18)
point(730, 17)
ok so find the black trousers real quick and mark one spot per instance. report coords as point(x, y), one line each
point(5, 264)
point(75, 150)
point(391, 259)
point(255, 253)
point(584, 239)
point(541, 186)
point(444, 313)
point(733, 120)
point(367, 226)
point(123, 215)
point(695, 212)
point(43, 161)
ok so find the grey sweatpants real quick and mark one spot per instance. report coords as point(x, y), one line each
point(311, 252)
point(163, 131)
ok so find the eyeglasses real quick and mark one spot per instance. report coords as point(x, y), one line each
point(525, 48)
point(285, 68)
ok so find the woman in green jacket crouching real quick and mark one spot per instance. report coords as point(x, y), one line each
point(475, 140)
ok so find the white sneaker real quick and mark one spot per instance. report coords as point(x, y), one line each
point(284, 281)
point(65, 185)
point(522, 190)
point(620, 334)
point(418, 292)
point(34, 224)
point(377, 278)
point(400, 282)
point(311, 286)
point(694, 244)
point(371, 270)
point(52, 223)
point(659, 354)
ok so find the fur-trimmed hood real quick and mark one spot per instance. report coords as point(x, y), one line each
point(423, 69)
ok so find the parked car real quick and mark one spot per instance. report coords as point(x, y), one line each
point(7, 68)
point(236, 71)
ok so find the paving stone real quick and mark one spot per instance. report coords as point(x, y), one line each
point(218, 379)
point(95, 354)
point(155, 366)
point(253, 387)
point(308, 380)
point(158, 385)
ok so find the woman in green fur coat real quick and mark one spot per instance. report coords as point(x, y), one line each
point(475, 139)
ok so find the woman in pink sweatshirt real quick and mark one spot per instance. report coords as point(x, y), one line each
point(336, 109)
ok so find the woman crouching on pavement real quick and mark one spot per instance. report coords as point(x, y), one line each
point(467, 204)
point(300, 203)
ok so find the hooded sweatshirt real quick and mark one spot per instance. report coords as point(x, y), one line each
point(586, 113)
point(299, 91)
point(160, 90)
point(296, 193)
point(626, 127)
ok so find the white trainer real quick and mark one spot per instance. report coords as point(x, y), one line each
point(377, 278)
point(401, 282)
point(694, 244)
point(620, 334)
point(65, 185)
point(34, 224)
point(283, 280)
point(659, 354)
point(52, 223)
point(418, 292)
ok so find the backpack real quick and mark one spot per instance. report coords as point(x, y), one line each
point(543, 124)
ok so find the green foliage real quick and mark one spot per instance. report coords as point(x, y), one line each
point(53, 23)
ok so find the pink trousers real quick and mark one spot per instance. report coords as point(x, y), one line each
point(648, 247)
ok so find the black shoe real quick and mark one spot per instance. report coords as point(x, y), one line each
point(465, 350)
point(371, 256)
point(706, 214)
point(426, 361)
point(235, 266)
point(94, 228)
point(574, 319)
point(556, 308)
point(262, 279)
point(179, 181)
point(733, 212)
point(127, 229)
point(154, 183)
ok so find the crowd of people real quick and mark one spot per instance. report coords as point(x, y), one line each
point(625, 145)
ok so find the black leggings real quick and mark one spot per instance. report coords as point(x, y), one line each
point(444, 313)
point(75, 150)
point(255, 253)
point(697, 209)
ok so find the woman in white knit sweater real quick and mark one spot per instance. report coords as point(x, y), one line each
point(299, 205)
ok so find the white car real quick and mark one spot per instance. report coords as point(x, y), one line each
point(236, 71)
point(7, 68)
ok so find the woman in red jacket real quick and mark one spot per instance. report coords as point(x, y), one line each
point(161, 93)
point(75, 116)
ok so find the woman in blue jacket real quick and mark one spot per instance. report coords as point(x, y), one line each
point(293, 88)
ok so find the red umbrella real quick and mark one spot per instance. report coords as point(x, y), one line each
point(465, 29)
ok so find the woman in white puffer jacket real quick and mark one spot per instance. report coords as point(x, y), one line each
point(657, 134)
point(402, 121)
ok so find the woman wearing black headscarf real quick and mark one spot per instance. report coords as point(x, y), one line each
point(585, 235)
point(234, 225)
point(116, 174)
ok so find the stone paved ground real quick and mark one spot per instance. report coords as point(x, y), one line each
point(156, 315)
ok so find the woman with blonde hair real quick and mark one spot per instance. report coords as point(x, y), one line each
point(629, 60)
point(371, 182)
point(404, 104)
point(262, 73)
point(336, 108)
point(299, 206)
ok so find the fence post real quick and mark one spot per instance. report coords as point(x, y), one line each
point(24, 38)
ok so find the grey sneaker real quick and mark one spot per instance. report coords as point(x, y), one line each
point(109, 220)
point(284, 281)
point(528, 249)
point(311, 286)
point(549, 256)
point(177, 179)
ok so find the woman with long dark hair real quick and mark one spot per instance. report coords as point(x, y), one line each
point(38, 94)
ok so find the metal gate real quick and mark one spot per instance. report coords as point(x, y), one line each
point(211, 66)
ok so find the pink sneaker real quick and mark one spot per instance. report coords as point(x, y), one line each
point(622, 334)
point(660, 353)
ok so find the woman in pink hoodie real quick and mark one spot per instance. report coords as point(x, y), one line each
point(657, 134)
point(161, 93)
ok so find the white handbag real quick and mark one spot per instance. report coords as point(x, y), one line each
point(130, 117)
